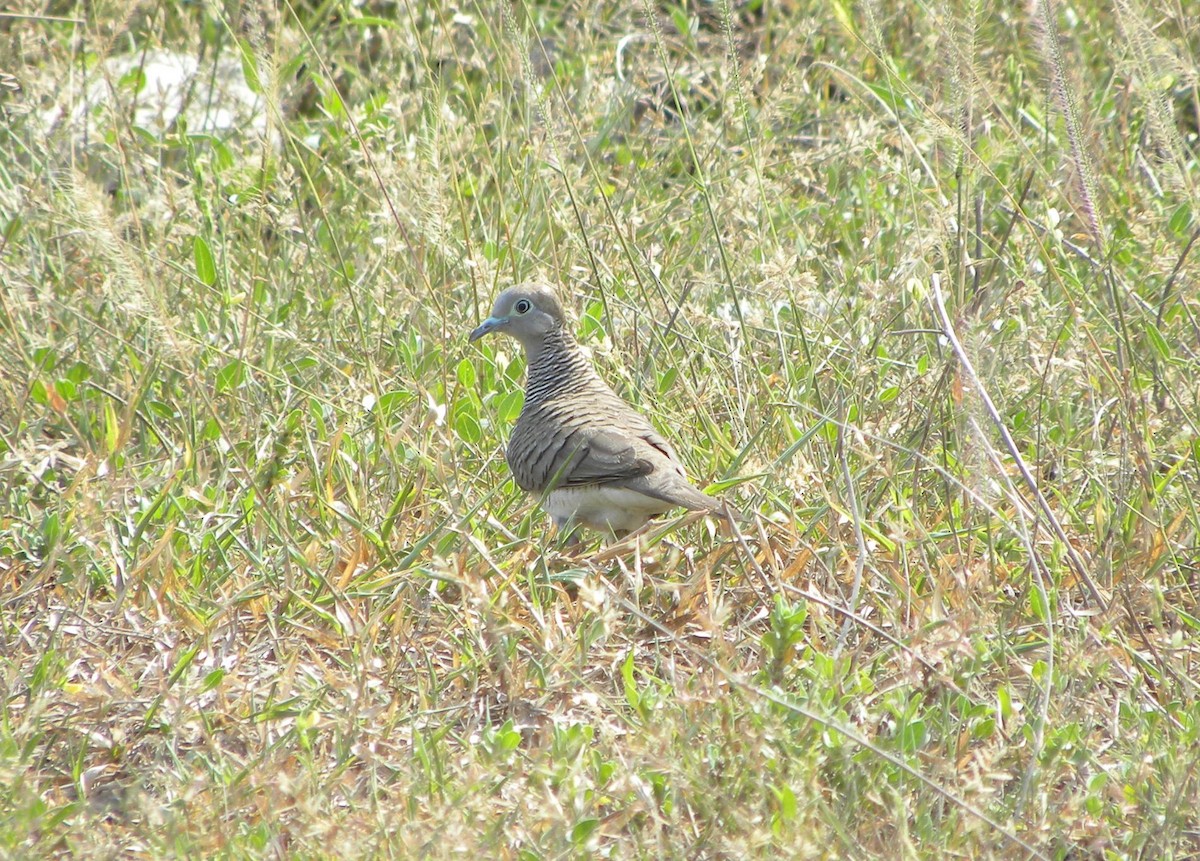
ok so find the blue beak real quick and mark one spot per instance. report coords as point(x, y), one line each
point(491, 324)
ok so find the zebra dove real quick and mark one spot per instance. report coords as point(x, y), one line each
point(586, 454)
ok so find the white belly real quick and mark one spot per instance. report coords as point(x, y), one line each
point(609, 509)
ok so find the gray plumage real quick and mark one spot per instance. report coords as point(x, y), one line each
point(588, 456)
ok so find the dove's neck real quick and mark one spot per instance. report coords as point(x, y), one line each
point(555, 365)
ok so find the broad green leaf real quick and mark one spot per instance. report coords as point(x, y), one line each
point(206, 268)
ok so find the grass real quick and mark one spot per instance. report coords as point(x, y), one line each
point(270, 591)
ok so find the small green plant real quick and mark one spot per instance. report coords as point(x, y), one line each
point(785, 633)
